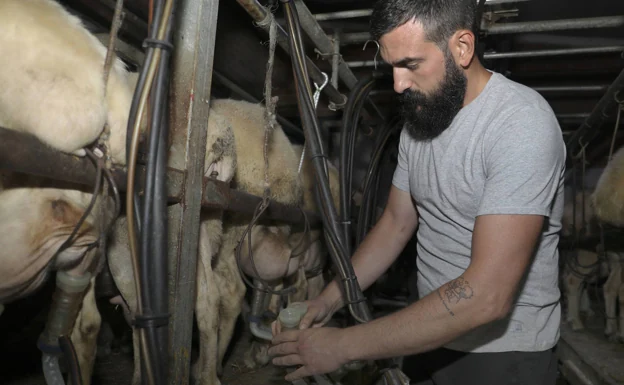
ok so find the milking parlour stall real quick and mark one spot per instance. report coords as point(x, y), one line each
point(182, 179)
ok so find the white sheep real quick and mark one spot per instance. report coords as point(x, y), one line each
point(52, 79)
point(52, 87)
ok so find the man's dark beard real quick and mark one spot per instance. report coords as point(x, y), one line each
point(437, 110)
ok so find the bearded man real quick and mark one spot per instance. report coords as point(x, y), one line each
point(480, 178)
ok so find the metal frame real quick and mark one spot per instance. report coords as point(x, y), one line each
point(590, 128)
point(191, 86)
point(518, 54)
point(542, 89)
point(259, 14)
point(554, 52)
point(520, 27)
point(341, 15)
point(554, 25)
point(25, 154)
point(327, 47)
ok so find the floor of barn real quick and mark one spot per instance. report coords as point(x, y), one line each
point(117, 368)
point(590, 356)
point(22, 323)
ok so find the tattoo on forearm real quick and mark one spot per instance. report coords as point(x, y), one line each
point(454, 292)
point(444, 303)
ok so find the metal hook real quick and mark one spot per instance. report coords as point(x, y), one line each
point(376, 53)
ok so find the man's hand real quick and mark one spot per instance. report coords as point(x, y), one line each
point(317, 350)
point(319, 312)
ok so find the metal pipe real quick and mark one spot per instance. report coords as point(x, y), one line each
point(555, 25)
point(589, 129)
point(572, 116)
point(520, 54)
point(522, 27)
point(24, 153)
point(340, 15)
point(325, 45)
point(289, 128)
point(591, 88)
point(543, 89)
point(321, 41)
point(336, 59)
point(343, 14)
point(259, 14)
point(355, 38)
point(554, 52)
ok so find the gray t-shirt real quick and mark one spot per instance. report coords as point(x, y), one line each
point(502, 154)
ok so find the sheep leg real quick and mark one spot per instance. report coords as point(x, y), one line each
point(85, 332)
point(610, 291)
point(207, 313)
point(232, 293)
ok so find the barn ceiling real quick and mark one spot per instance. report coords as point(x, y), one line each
point(573, 84)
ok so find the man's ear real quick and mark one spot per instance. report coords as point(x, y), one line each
point(463, 47)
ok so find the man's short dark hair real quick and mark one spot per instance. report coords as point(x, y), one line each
point(440, 18)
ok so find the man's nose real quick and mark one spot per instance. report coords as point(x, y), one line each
point(401, 82)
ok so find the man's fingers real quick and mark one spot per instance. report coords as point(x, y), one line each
point(283, 349)
point(297, 374)
point(275, 328)
point(307, 319)
point(287, 336)
point(290, 360)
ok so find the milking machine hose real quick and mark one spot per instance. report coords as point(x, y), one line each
point(367, 208)
point(72, 360)
point(351, 115)
point(347, 137)
point(151, 214)
point(356, 302)
point(153, 247)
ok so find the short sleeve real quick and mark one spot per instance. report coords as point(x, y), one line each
point(401, 174)
point(524, 163)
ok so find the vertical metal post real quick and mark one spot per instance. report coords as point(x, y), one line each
point(194, 41)
point(336, 59)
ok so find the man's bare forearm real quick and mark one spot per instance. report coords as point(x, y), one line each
point(435, 320)
point(378, 251)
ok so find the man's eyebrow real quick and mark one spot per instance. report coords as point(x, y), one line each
point(408, 60)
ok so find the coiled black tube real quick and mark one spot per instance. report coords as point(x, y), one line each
point(366, 213)
point(346, 157)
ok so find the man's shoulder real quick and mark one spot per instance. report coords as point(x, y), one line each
point(517, 99)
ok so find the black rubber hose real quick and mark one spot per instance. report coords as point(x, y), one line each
point(356, 301)
point(357, 304)
point(154, 262)
point(352, 139)
point(157, 344)
point(75, 376)
point(359, 103)
point(147, 220)
point(159, 235)
point(366, 212)
point(344, 170)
